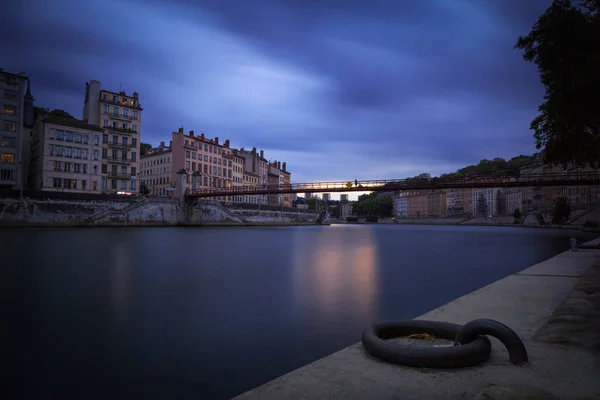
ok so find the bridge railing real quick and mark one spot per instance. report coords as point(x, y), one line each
point(398, 184)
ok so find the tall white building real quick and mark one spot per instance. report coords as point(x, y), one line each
point(486, 201)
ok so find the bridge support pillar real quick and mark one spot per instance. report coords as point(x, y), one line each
point(181, 184)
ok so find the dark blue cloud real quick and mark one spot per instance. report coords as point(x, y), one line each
point(338, 88)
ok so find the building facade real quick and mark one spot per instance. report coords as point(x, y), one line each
point(416, 206)
point(238, 176)
point(513, 199)
point(455, 202)
point(156, 171)
point(210, 158)
point(346, 210)
point(256, 163)
point(251, 180)
point(66, 155)
point(401, 207)
point(17, 111)
point(436, 204)
point(287, 181)
point(487, 201)
point(120, 115)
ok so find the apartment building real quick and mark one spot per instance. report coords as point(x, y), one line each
point(455, 204)
point(346, 210)
point(238, 176)
point(416, 205)
point(120, 115)
point(532, 198)
point(326, 196)
point(487, 201)
point(66, 155)
point(17, 116)
point(287, 181)
point(401, 207)
point(156, 170)
point(275, 179)
point(251, 180)
point(513, 199)
point(256, 163)
point(436, 204)
point(211, 159)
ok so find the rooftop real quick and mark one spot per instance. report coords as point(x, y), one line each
point(72, 122)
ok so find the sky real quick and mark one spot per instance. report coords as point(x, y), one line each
point(339, 89)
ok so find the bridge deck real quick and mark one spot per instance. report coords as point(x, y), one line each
point(539, 180)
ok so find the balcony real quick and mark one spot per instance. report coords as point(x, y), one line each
point(191, 146)
point(119, 175)
point(120, 130)
point(119, 160)
point(120, 116)
point(225, 155)
point(122, 146)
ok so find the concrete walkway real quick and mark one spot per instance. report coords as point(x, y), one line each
point(564, 348)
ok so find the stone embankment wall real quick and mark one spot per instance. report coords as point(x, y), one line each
point(140, 212)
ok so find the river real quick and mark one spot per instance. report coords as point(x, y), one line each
point(207, 313)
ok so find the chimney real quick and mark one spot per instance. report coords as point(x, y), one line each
point(135, 95)
point(262, 154)
point(216, 140)
point(242, 149)
point(202, 136)
point(162, 144)
point(284, 168)
point(192, 133)
point(279, 164)
point(254, 150)
point(181, 130)
point(226, 143)
point(170, 143)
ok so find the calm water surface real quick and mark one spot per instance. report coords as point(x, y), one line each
point(207, 313)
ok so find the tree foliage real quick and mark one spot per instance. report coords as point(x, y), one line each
point(561, 210)
point(56, 112)
point(372, 205)
point(564, 43)
point(144, 147)
point(144, 190)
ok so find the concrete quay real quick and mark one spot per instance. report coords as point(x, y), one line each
point(554, 306)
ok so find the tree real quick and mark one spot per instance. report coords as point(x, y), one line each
point(144, 147)
point(312, 203)
point(561, 210)
point(61, 113)
point(564, 43)
point(144, 191)
point(517, 215)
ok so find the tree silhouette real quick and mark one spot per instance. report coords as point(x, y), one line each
point(564, 43)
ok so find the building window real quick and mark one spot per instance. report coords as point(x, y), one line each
point(105, 123)
point(133, 156)
point(187, 154)
point(132, 185)
point(10, 126)
point(106, 109)
point(113, 184)
point(69, 136)
point(134, 127)
point(7, 174)
point(57, 183)
point(125, 112)
point(95, 155)
point(8, 141)
point(187, 165)
point(123, 185)
point(78, 138)
point(7, 158)
point(96, 140)
point(83, 184)
point(10, 95)
point(105, 138)
point(10, 110)
point(116, 111)
point(135, 115)
point(103, 183)
point(133, 142)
